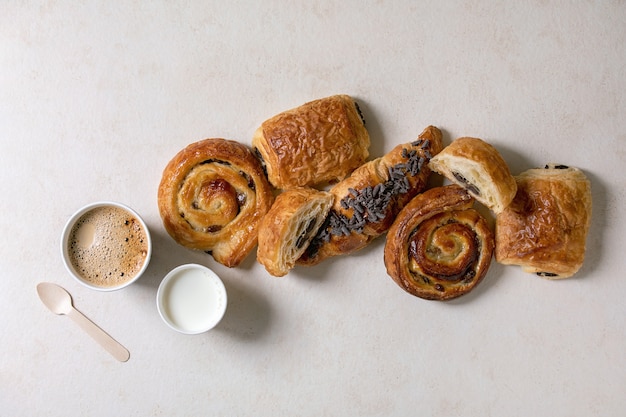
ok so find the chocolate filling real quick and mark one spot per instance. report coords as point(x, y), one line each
point(306, 234)
point(468, 185)
point(258, 155)
point(547, 274)
point(358, 110)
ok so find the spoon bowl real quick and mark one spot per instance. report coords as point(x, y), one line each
point(56, 298)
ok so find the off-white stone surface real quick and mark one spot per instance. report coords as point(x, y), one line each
point(96, 97)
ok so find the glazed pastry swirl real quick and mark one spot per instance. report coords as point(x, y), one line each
point(439, 247)
point(212, 197)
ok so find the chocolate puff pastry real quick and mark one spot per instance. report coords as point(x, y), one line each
point(439, 247)
point(212, 197)
point(318, 143)
point(544, 229)
point(479, 168)
point(289, 226)
point(367, 202)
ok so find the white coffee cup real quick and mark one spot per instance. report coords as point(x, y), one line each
point(191, 299)
point(106, 246)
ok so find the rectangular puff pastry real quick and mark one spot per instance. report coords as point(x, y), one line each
point(317, 143)
point(545, 227)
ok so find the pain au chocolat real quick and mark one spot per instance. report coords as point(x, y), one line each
point(544, 229)
point(318, 143)
point(478, 167)
point(368, 201)
point(212, 197)
point(289, 226)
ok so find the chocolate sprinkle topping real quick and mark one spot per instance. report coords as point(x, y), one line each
point(370, 204)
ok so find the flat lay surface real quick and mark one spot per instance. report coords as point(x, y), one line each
point(97, 97)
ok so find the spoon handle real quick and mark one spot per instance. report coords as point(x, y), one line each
point(112, 346)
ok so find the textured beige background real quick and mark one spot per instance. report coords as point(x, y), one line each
point(96, 97)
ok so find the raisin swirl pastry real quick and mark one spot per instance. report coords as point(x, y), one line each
point(317, 143)
point(212, 197)
point(367, 202)
point(544, 229)
point(439, 247)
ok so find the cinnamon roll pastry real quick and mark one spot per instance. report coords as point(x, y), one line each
point(212, 197)
point(479, 168)
point(544, 229)
point(318, 143)
point(367, 202)
point(439, 247)
point(289, 226)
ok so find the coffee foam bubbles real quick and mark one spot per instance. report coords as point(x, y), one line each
point(107, 246)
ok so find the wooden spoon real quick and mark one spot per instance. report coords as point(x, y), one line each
point(59, 301)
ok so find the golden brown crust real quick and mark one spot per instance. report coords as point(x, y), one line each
point(367, 202)
point(288, 227)
point(478, 167)
point(544, 229)
point(212, 197)
point(439, 247)
point(317, 143)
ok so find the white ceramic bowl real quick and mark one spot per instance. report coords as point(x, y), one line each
point(98, 240)
point(191, 299)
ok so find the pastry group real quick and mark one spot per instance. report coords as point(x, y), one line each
point(306, 190)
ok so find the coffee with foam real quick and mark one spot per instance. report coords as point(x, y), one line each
point(107, 246)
